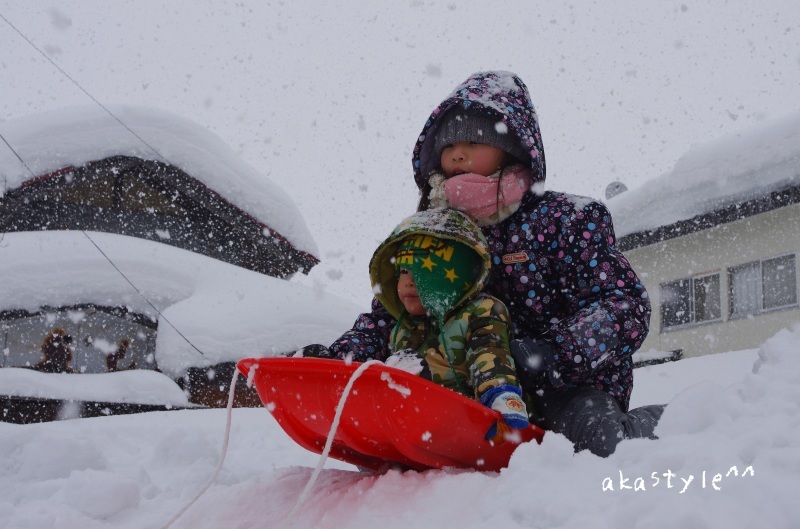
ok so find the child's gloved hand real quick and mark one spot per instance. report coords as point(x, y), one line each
point(313, 351)
point(411, 361)
point(534, 361)
point(506, 400)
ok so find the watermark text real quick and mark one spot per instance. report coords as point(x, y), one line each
point(670, 480)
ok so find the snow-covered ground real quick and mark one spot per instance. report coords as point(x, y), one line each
point(728, 456)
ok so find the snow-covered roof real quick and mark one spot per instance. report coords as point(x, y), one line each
point(75, 136)
point(227, 312)
point(727, 171)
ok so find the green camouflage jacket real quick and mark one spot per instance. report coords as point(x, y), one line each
point(467, 351)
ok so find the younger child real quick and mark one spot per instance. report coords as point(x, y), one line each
point(429, 274)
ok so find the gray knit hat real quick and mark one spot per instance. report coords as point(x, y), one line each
point(461, 125)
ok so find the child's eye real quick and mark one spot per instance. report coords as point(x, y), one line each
point(403, 271)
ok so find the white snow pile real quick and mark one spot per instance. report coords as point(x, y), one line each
point(722, 173)
point(139, 386)
point(225, 311)
point(728, 456)
point(75, 136)
point(651, 355)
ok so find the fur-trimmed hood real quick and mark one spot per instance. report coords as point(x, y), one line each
point(496, 93)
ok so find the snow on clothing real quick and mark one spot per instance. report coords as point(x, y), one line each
point(554, 262)
point(593, 420)
point(466, 343)
point(499, 94)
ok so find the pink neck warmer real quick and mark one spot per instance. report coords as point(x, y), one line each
point(479, 198)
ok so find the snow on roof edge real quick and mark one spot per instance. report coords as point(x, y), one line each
point(205, 305)
point(725, 171)
point(139, 386)
point(78, 135)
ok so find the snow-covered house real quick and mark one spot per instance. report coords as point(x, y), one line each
point(151, 175)
point(147, 242)
point(716, 241)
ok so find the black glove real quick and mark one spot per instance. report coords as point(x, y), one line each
point(534, 360)
point(314, 351)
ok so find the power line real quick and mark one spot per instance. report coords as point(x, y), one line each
point(16, 153)
point(109, 259)
point(82, 89)
point(163, 158)
point(140, 293)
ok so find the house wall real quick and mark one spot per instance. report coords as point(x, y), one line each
point(762, 236)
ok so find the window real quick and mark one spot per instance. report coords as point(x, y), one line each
point(763, 285)
point(676, 303)
point(707, 305)
point(690, 300)
point(96, 333)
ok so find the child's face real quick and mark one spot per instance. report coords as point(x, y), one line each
point(407, 292)
point(468, 157)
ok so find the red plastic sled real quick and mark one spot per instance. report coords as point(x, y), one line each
point(390, 417)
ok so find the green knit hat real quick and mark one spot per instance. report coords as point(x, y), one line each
point(443, 270)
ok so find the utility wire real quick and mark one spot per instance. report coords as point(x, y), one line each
point(144, 142)
point(15, 152)
point(82, 89)
point(22, 161)
point(110, 260)
point(140, 293)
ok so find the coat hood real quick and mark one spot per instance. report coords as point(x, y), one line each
point(495, 93)
point(445, 224)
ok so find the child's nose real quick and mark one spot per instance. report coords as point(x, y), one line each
point(458, 152)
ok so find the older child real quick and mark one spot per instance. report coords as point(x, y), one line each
point(576, 304)
point(429, 275)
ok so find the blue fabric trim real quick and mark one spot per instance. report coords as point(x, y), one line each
point(488, 397)
point(517, 421)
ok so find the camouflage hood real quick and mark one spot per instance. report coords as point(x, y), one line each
point(499, 94)
point(443, 224)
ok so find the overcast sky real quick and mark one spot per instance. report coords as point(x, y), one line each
point(327, 100)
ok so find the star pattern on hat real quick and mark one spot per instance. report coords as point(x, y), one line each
point(444, 270)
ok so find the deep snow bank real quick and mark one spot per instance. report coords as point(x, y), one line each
point(136, 471)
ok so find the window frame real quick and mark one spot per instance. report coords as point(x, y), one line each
point(732, 315)
point(693, 281)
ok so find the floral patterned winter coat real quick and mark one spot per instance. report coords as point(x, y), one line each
point(554, 262)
